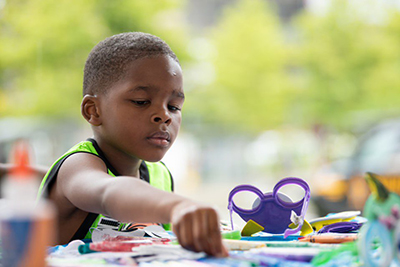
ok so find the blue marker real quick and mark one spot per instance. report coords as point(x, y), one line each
point(271, 238)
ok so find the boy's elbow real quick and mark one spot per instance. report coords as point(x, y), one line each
point(120, 199)
point(113, 199)
point(106, 199)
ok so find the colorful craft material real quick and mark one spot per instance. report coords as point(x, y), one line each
point(329, 238)
point(272, 211)
point(26, 225)
point(344, 216)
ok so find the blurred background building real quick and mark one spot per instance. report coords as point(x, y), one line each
point(274, 88)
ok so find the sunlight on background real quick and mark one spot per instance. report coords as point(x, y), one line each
point(273, 88)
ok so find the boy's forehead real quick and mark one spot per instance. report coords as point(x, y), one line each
point(149, 89)
point(149, 72)
point(155, 63)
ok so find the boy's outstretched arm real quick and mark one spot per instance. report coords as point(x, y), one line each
point(84, 183)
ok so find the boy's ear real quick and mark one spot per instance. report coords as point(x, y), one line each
point(90, 109)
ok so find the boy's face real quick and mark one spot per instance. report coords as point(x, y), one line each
point(141, 114)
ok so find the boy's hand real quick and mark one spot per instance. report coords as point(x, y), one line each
point(197, 228)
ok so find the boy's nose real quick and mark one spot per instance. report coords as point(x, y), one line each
point(162, 117)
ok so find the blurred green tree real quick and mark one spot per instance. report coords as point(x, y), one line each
point(44, 45)
point(252, 89)
point(349, 59)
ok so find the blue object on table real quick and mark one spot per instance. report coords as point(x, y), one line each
point(222, 262)
point(268, 260)
point(271, 238)
point(340, 227)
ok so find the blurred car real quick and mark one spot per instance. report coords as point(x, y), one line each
point(343, 187)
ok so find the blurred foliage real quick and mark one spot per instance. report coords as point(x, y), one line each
point(350, 62)
point(44, 45)
point(251, 90)
point(324, 68)
point(337, 68)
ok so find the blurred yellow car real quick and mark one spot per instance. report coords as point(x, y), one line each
point(343, 187)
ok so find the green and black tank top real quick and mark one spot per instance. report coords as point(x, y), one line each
point(155, 173)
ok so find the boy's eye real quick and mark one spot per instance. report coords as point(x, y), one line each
point(173, 108)
point(140, 102)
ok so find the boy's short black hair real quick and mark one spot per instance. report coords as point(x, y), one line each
point(108, 60)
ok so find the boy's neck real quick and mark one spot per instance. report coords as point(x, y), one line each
point(123, 163)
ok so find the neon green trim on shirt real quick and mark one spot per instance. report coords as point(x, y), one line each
point(159, 176)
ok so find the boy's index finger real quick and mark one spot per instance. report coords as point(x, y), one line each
point(209, 222)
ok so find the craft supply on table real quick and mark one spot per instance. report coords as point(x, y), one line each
point(156, 231)
point(231, 234)
point(264, 237)
point(305, 229)
point(164, 252)
point(272, 212)
point(329, 238)
point(275, 253)
point(331, 218)
point(119, 246)
point(278, 256)
point(27, 225)
point(143, 253)
point(295, 244)
point(222, 262)
point(182, 263)
point(374, 245)
point(382, 209)
point(372, 235)
point(304, 254)
point(242, 245)
point(340, 227)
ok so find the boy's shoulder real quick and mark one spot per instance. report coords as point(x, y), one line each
point(91, 147)
point(49, 178)
point(84, 146)
point(156, 173)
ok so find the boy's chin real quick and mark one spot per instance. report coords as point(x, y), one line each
point(154, 155)
point(154, 158)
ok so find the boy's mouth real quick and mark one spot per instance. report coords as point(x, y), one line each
point(160, 139)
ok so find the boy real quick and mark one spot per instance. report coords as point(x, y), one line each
point(132, 98)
